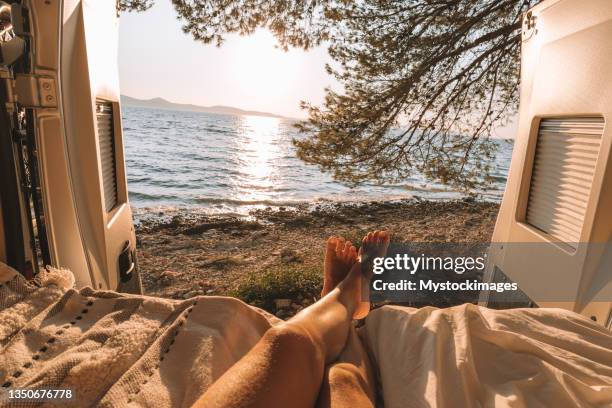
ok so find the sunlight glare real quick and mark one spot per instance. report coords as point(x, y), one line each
point(260, 69)
point(258, 141)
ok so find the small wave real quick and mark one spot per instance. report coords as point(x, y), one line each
point(427, 188)
point(138, 196)
point(237, 202)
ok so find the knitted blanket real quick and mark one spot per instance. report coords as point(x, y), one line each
point(114, 349)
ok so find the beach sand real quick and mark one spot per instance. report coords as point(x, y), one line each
point(273, 258)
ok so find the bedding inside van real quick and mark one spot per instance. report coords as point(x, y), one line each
point(115, 349)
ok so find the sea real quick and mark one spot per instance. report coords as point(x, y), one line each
point(225, 164)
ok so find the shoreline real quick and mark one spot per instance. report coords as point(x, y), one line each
point(273, 257)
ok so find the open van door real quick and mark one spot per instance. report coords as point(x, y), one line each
point(554, 230)
point(61, 92)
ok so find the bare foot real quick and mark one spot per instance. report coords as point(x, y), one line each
point(373, 245)
point(328, 321)
point(340, 256)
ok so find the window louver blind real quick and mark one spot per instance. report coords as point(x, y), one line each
point(563, 168)
point(106, 140)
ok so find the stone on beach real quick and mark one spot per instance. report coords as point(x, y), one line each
point(289, 255)
point(167, 277)
point(282, 303)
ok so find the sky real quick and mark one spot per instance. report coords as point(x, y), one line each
point(156, 59)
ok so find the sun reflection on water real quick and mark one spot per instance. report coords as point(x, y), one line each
point(259, 148)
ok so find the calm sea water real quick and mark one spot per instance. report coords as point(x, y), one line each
point(231, 164)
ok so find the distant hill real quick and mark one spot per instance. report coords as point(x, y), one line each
point(160, 103)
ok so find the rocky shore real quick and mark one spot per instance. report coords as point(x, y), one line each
point(273, 258)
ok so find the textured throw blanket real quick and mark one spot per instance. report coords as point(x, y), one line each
point(115, 349)
point(118, 350)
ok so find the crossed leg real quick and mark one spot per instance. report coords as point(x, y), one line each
point(287, 366)
point(349, 381)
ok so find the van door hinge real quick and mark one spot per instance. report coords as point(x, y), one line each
point(35, 91)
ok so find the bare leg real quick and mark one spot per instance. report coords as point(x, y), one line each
point(349, 382)
point(286, 366)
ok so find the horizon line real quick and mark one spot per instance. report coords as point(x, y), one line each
point(243, 112)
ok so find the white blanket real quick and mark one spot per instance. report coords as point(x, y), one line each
point(119, 350)
point(470, 356)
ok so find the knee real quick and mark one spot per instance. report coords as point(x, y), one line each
point(289, 336)
point(345, 375)
point(348, 387)
point(295, 341)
